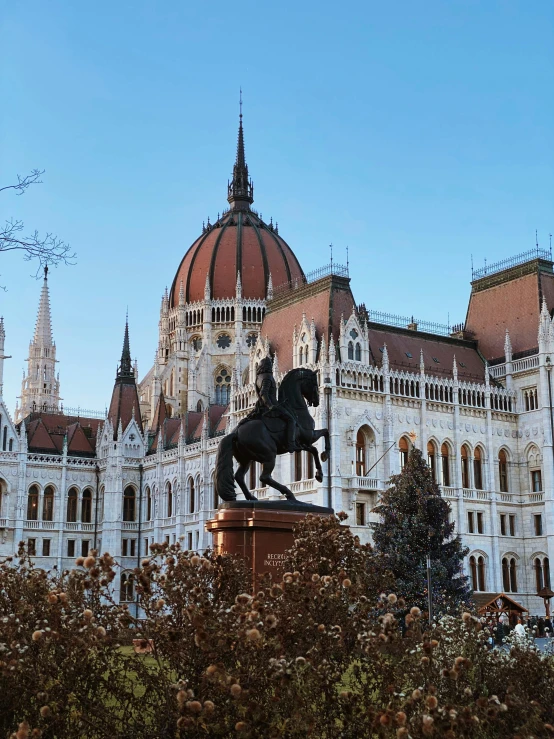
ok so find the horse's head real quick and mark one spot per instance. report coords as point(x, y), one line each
point(309, 387)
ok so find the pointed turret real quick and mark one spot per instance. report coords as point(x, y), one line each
point(43, 326)
point(125, 401)
point(240, 191)
point(40, 389)
point(2, 355)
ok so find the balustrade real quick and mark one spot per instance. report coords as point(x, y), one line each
point(536, 497)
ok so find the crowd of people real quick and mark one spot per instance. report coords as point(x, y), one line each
point(499, 627)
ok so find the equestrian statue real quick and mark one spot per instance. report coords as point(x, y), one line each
point(280, 423)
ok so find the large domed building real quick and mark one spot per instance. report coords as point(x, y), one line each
point(211, 317)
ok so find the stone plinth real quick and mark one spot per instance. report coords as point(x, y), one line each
point(259, 531)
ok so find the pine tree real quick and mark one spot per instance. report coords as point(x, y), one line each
point(414, 523)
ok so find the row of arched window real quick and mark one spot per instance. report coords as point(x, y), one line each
point(79, 507)
point(530, 399)
point(471, 467)
point(170, 500)
point(355, 352)
point(303, 355)
point(7, 444)
point(478, 575)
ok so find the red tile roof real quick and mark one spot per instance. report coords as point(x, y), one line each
point(46, 432)
point(239, 242)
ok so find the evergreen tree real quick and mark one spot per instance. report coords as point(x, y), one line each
point(414, 523)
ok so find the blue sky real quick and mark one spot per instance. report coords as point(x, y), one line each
point(417, 134)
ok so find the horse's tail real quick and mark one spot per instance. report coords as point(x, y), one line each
point(224, 480)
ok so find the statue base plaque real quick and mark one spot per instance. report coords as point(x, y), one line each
point(259, 531)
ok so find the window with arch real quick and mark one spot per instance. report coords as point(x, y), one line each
point(404, 451)
point(86, 506)
point(196, 343)
point(48, 504)
point(129, 504)
point(2, 491)
point(509, 574)
point(192, 496)
point(199, 407)
point(32, 503)
point(503, 471)
point(465, 467)
point(148, 504)
point(531, 399)
point(301, 355)
point(478, 469)
point(169, 498)
point(358, 352)
point(72, 500)
point(432, 458)
point(477, 569)
point(127, 587)
point(350, 350)
point(360, 453)
point(223, 387)
point(542, 573)
point(445, 465)
point(214, 492)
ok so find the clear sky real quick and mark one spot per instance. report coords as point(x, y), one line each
point(417, 134)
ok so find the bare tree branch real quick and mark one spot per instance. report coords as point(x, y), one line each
point(47, 249)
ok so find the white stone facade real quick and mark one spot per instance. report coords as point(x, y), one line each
point(126, 499)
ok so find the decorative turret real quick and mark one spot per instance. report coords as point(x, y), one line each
point(240, 191)
point(2, 355)
point(124, 406)
point(40, 389)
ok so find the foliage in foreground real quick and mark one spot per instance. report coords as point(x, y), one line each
point(317, 654)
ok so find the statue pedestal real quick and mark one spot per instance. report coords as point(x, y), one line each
point(259, 531)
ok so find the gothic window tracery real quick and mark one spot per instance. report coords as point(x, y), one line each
point(478, 469)
point(223, 387)
point(503, 471)
point(358, 353)
point(127, 587)
point(223, 341)
point(251, 340)
point(350, 350)
point(48, 504)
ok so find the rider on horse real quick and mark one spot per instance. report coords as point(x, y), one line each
point(266, 390)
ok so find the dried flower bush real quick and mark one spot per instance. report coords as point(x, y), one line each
point(317, 654)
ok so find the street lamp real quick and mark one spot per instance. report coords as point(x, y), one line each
point(327, 392)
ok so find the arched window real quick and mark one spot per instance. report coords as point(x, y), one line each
point(445, 465)
point(478, 469)
point(546, 572)
point(199, 408)
point(148, 504)
point(350, 350)
point(223, 387)
point(5, 439)
point(505, 575)
point(192, 496)
point(306, 354)
point(297, 466)
point(360, 454)
point(432, 458)
point(513, 575)
point(129, 500)
point(127, 588)
point(214, 492)
point(169, 496)
point(72, 505)
point(465, 467)
point(1, 497)
point(358, 352)
point(32, 503)
point(481, 573)
point(538, 575)
point(503, 471)
point(301, 356)
point(86, 506)
point(10, 448)
point(48, 504)
point(473, 571)
point(404, 450)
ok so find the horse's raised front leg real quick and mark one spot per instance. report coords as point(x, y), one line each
point(244, 466)
point(315, 454)
point(266, 479)
point(318, 433)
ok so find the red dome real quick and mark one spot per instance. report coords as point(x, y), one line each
point(240, 242)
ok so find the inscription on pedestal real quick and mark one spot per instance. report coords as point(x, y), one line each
point(274, 560)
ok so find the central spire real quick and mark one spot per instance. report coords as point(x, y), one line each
point(240, 191)
point(43, 326)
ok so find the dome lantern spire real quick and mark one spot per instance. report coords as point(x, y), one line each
point(240, 191)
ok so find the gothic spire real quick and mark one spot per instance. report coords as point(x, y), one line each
point(125, 368)
point(43, 326)
point(240, 191)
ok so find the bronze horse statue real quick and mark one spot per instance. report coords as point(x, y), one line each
point(262, 438)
